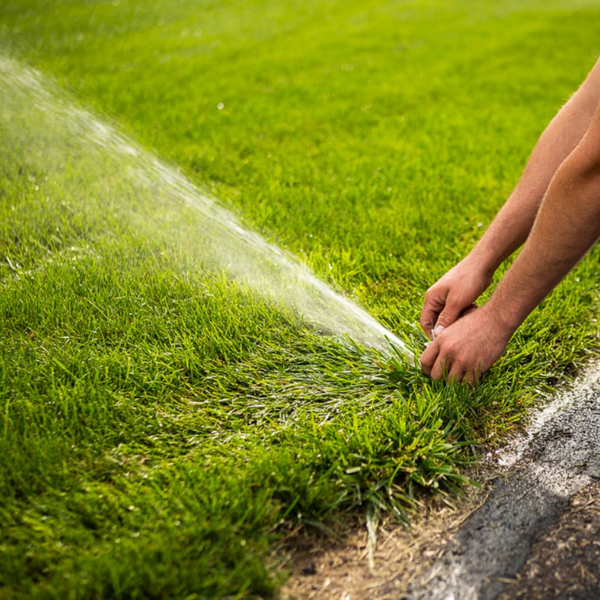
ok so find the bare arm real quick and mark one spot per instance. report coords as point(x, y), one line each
point(461, 286)
point(565, 228)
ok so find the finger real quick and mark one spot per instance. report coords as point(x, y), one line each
point(440, 369)
point(457, 374)
point(471, 377)
point(452, 310)
point(434, 304)
point(475, 374)
point(428, 321)
point(428, 358)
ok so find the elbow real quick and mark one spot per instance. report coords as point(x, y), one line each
point(583, 165)
point(577, 182)
point(585, 158)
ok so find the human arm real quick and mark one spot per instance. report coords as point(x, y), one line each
point(565, 228)
point(461, 286)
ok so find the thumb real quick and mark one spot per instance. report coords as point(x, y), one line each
point(451, 312)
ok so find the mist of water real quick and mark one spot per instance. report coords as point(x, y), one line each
point(94, 165)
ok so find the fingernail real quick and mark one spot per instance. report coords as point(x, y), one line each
point(438, 330)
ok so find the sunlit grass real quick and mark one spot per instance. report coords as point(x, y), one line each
point(161, 426)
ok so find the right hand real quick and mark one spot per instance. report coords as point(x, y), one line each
point(467, 349)
point(452, 295)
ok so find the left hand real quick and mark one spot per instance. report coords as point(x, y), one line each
point(466, 349)
point(453, 295)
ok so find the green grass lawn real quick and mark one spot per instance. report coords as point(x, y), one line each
point(163, 427)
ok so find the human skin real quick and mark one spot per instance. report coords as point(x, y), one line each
point(555, 210)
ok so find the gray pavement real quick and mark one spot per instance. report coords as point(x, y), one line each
point(560, 460)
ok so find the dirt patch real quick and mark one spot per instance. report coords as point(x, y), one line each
point(340, 569)
point(564, 562)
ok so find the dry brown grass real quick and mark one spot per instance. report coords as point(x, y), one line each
point(339, 569)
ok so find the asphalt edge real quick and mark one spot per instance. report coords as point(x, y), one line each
point(556, 457)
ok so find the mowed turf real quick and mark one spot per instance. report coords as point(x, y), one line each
point(162, 428)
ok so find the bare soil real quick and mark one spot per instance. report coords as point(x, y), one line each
point(330, 569)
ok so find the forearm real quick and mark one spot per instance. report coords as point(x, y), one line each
point(463, 284)
point(513, 223)
point(556, 209)
point(566, 227)
point(460, 287)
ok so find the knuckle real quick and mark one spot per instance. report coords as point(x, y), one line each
point(447, 313)
point(462, 362)
point(458, 358)
point(425, 361)
point(433, 293)
point(450, 350)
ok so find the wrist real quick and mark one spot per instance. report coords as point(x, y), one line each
point(478, 267)
point(507, 316)
point(483, 261)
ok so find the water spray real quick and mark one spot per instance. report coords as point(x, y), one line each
point(92, 162)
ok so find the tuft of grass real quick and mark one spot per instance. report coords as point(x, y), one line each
point(161, 427)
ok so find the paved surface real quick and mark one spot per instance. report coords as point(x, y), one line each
point(486, 555)
point(564, 561)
